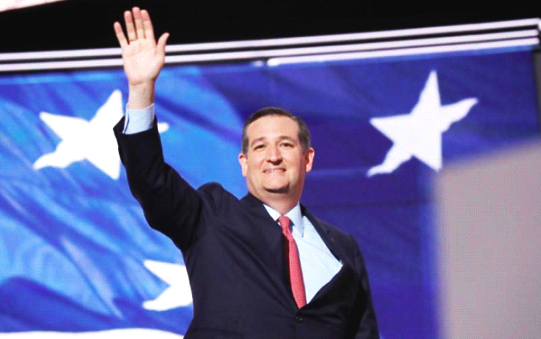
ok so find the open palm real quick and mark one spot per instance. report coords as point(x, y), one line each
point(143, 57)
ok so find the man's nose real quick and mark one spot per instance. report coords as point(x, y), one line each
point(274, 154)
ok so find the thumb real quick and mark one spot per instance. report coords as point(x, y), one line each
point(161, 43)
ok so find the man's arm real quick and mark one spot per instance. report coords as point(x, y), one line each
point(170, 204)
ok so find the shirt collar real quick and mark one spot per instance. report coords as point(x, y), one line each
point(295, 215)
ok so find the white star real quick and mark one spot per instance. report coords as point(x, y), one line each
point(92, 140)
point(418, 134)
point(177, 294)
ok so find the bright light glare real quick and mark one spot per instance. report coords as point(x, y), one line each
point(6, 5)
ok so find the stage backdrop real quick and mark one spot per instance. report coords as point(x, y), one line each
point(76, 254)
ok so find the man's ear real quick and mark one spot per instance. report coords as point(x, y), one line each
point(310, 154)
point(243, 163)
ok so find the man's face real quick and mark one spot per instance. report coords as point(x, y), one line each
point(274, 164)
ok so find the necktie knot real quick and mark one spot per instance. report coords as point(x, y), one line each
point(284, 223)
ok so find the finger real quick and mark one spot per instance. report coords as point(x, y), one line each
point(160, 46)
point(120, 35)
point(130, 29)
point(147, 24)
point(138, 23)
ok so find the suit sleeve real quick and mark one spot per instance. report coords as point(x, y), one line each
point(365, 315)
point(170, 204)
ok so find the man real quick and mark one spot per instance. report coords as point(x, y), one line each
point(251, 276)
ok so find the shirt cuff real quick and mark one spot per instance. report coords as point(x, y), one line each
point(138, 120)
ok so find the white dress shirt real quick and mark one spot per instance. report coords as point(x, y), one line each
point(318, 264)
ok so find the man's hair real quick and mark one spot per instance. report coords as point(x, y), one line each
point(304, 133)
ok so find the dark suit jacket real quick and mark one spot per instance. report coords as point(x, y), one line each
point(235, 260)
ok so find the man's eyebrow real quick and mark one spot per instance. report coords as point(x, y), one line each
point(280, 138)
point(256, 140)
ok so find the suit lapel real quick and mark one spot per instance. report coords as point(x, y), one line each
point(325, 234)
point(337, 250)
point(269, 231)
point(268, 238)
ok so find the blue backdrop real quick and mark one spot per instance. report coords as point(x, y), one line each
point(76, 254)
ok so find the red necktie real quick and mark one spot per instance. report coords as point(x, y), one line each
point(294, 264)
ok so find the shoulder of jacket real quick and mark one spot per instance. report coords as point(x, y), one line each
point(216, 193)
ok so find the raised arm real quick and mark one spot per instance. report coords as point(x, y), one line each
point(143, 57)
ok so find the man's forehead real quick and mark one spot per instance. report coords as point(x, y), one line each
point(273, 126)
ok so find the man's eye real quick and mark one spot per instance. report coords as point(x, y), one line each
point(258, 146)
point(287, 144)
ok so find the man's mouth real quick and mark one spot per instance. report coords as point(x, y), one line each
point(274, 170)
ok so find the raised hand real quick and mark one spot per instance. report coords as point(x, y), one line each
point(143, 57)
